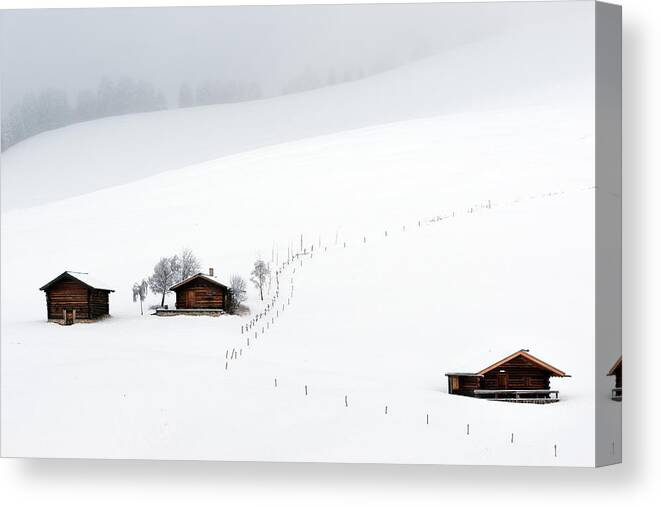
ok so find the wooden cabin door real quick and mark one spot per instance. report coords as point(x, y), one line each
point(190, 299)
point(69, 317)
point(503, 380)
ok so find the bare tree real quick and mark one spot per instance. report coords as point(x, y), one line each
point(188, 264)
point(239, 287)
point(175, 264)
point(164, 276)
point(259, 276)
point(140, 290)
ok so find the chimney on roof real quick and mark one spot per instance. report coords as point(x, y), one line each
point(210, 271)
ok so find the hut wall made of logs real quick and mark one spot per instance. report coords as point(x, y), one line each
point(72, 292)
point(518, 372)
point(463, 384)
point(202, 292)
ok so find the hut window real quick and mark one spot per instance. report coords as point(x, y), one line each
point(455, 383)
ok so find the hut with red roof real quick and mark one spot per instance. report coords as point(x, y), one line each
point(519, 377)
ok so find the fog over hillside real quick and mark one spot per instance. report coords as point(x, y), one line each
point(464, 71)
point(272, 46)
point(66, 66)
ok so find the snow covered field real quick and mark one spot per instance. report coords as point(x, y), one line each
point(438, 238)
point(379, 320)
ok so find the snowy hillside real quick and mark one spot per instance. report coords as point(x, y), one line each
point(346, 185)
point(158, 387)
point(440, 244)
point(514, 69)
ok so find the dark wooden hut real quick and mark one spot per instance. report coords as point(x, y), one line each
point(74, 296)
point(200, 294)
point(616, 371)
point(518, 377)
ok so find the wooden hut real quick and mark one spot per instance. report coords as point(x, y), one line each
point(200, 294)
point(616, 371)
point(519, 377)
point(74, 296)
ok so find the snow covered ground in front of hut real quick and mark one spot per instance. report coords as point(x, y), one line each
point(378, 320)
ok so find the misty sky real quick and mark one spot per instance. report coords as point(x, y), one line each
point(73, 49)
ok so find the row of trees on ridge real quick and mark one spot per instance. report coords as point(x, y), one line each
point(51, 108)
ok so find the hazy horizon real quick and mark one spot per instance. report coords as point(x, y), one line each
point(270, 47)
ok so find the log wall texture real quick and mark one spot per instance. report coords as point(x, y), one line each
point(201, 294)
point(70, 294)
point(67, 295)
point(518, 373)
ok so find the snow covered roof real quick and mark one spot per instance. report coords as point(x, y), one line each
point(85, 278)
point(522, 353)
point(615, 366)
point(208, 278)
